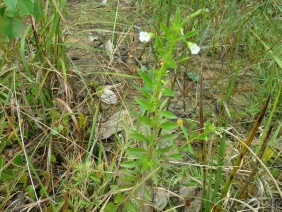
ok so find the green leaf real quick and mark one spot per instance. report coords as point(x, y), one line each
point(188, 35)
point(60, 127)
point(8, 175)
point(146, 120)
point(137, 152)
point(275, 172)
point(110, 207)
point(82, 120)
point(2, 11)
point(177, 22)
point(119, 198)
point(177, 156)
point(194, 76)
point(29, 189)
point(184, 132)
point(11, 7)
point(146, 94)
point(159, 44)
point(164, 150)
point(169, 125)
point(18, 160)
point(43, 191)
point(138, 136)
point(24, 178)
point(144, 104)
point(168, 114)
point(168, 137)
point(184, 59)
point(54, 131)
point(131, 164)
point(147, 79)
point(37, 11)
point(10, 27)
point(171, 64)
point(26, 6)
point(166, 30)
point(129, 206)
point(188, 148)
point(168, 92)
point(53, 159)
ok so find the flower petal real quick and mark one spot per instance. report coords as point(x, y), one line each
point(194, 48)
point(144, 37)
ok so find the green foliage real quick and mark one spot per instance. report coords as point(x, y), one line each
point(11, 15)
point(72, 171)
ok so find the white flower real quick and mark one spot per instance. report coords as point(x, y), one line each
point(144, 37)
point(194, 48)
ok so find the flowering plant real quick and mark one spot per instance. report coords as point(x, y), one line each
point(194, 48)
point(145, 37)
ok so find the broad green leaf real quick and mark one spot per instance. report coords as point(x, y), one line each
point(164, 150)
point(60, 127)
point(53, 159)
point(43, 191)
point(131, 164)
point(168, 115)
point(37, 11)
point(146, 94)
point(137, 152)
point(110, 207)
point(55, 115)
point(169, 125)
point(23, 179)
point(194, 76)
point(144, 104)
point(29, 189)
point(177, 156)
point(190, 148)
point(275, 172)
point(147, 79)
point(186, 148)
point(10, 27)
point(18, 160)
point(26, 6)
point(129, 206)
point(202, 137)
point(168, 92)
point(168, 137)
point(146, 120)
point(7, 175)
point(138, 136)
point(119, 198)
point(54, 131)
point(11, 7)
point(126, 172)
point(164, 104)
